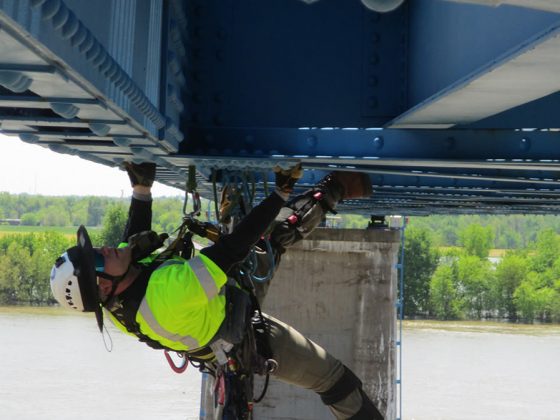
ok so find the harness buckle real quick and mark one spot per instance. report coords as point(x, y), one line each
point(220, 347)
point(318, 195)
point(293, 219)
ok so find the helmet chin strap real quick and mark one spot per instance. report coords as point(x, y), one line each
point(115, 281)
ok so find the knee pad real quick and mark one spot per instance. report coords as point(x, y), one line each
point(347, 383)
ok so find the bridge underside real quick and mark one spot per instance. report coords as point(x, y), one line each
point(449, 106)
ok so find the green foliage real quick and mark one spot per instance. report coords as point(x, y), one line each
point(473, 277)
point(510, 232)
point(30, 219)
point(510, 273)
point(477, 240)
point(547, 249)
point(443, 296)
point(114, 223)
point(421, 260)
point(25, 264)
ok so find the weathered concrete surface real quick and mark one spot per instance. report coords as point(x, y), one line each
point(339, 288)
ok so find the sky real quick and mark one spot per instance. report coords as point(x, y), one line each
point(32, 169)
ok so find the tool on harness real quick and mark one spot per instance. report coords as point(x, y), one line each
point(190, 188)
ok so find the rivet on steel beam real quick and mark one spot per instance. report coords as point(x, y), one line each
point(29, 138)
point(525, 144)
point(87, 43)
point(15, 81)
point(122, 141)
point(59, 148)
point(99, 129)
point(374, 58)
point(79, 36)
point(375, 37)
point(65, 110)
point(311, 141)
point(372, 102)
point(70, 28)
point(450, 143)
point(378, 142)
point(50, 8)
point(60, 18)
point(372, 80)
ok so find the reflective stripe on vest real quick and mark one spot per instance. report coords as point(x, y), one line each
point(148, 316)
point(204, 277)
point(202, 274)
point(205, 280)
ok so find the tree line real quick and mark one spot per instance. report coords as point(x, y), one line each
point(27, 258)
point(447, 271)
point(462, 282)
point(38, 210)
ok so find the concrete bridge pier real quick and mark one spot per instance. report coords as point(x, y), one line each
point(339, 288)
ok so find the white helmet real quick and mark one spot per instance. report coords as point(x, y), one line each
point(74, 278)
point(65, 285)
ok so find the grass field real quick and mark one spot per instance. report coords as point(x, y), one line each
point(66, 230)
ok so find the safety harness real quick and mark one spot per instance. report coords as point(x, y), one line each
point(233, 367)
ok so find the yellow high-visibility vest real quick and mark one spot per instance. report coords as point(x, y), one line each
point(184, 305)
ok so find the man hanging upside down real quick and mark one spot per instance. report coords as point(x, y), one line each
point(195, 307)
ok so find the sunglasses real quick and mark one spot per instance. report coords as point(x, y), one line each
point(99, 262)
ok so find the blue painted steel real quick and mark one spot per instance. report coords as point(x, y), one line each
point(450, 40)
point(372, 143)
point(237, 87)
point(287, 64)
point(541, 113)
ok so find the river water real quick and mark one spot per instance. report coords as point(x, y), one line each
point(53, 365)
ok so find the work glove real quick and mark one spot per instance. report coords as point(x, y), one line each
point(286, 178)
point(204, 229)
point(141, 174)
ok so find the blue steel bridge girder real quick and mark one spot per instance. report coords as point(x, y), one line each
point(240, 86)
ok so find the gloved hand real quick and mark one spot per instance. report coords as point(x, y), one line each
point(286, 178)
point(204, 229)
point(141, 174)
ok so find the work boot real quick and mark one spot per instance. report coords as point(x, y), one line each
point(340, 185)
